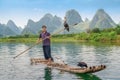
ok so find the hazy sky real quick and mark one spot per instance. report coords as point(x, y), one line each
point(21, 10)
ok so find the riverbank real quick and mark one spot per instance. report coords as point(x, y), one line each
point(89, 38)
point(110, 35)
point(94, 35)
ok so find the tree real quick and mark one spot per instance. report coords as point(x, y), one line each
point(118, 29)
point(96, 30)
point(26, 35)
point(39, 31)
point(1, 35)
point(88, 30)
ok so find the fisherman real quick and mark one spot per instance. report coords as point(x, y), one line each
point(45, 38)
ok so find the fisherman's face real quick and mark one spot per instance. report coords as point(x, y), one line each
point(44, 29)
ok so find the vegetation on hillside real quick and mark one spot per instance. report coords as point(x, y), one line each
point(105, 35)
point(95, 34)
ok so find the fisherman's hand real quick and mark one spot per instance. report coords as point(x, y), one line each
point(38, 41)
point(47, 37)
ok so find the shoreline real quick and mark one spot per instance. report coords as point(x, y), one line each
point(58, 40)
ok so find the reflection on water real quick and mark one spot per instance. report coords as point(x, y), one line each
point(48, 74)
point(71, 53)
point(88, 77)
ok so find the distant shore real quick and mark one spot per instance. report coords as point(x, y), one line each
point(63, 39)
point(110, 35)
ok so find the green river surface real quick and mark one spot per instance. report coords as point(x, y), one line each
point(71, 53)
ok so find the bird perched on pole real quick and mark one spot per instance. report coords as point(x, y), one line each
point(66, 24)
point(82, 64)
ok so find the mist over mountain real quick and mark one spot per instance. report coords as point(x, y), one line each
point(73, 17)
point(86, 20)
point(9, 29)
point(102, 20)
point(28, 29)
point(119, 23)
point(54, 23)
point(13, 27)
point(5, 31)
point(20, 28)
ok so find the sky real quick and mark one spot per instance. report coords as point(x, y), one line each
point(20, 11)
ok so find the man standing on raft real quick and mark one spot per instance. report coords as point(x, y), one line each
point(45, 38)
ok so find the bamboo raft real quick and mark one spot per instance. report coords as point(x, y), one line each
point(68, 68)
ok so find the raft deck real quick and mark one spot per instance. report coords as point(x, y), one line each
point(67, 68)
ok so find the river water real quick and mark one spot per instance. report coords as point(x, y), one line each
point(71, 53)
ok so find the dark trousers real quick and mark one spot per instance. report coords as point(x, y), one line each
point(47, 52)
